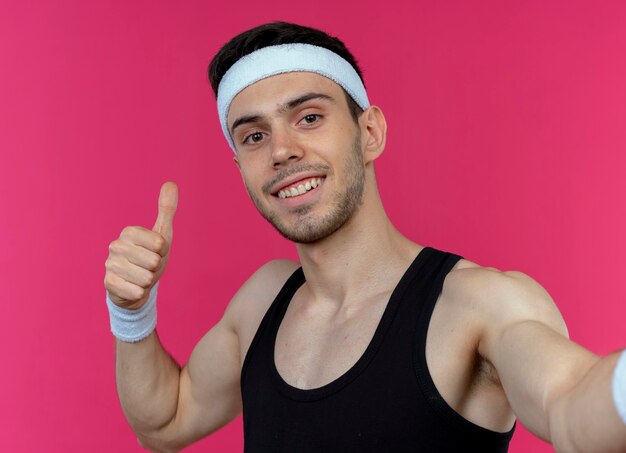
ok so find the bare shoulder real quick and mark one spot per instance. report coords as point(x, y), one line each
point(248, 306)
point(501, 298)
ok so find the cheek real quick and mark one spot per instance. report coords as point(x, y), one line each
point(247, 167)
point(252, 181)
point(248, 182)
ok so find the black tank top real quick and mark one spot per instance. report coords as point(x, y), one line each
point(387, 402)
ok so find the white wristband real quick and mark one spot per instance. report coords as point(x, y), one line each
point(619, 386)
point(131, 326)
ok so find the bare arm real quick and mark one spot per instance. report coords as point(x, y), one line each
point(169, 407)
point(560, 391)
point(147, 384)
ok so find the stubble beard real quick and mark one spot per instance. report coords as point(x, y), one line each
point(309, 228)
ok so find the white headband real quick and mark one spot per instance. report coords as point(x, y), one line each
point(279, 59)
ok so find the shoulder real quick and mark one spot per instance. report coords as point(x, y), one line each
point(249, 304)
point(266, 280)
point(501, 298)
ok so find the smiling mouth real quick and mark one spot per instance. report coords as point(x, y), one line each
point(299, 188)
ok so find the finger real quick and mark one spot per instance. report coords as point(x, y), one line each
point(130, 272)
point(145, 238)
point(123, 290)
point(168, 201)
point(144, 258)
point(136, 254)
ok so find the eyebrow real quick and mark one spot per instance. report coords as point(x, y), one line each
point(290, 105)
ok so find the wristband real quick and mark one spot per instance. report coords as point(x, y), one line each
point(619, 386)
point(131, 326)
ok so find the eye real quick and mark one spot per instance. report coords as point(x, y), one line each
point(253, 138)
point(311, 118)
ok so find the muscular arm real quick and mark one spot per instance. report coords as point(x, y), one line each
point(560, 391)
point(169, 407)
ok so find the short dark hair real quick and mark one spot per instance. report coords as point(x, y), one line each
point(276, 33)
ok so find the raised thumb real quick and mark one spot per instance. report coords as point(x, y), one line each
point(168, 200)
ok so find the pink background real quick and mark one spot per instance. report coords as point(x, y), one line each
point(507, 132)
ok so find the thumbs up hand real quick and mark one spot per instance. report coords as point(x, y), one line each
point(138, 258)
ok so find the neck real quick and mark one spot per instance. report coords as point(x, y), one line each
point(365, 257)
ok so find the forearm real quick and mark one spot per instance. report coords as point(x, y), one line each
point(147, 384)
point(585, 419)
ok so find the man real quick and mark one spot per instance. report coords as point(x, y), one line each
point(371, 342)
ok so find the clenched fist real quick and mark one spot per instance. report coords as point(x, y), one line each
point(138, 258)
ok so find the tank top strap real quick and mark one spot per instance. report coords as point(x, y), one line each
point(273, 317)
point(423, 285)
point(438, 266)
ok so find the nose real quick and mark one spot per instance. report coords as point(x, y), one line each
point(285, 147)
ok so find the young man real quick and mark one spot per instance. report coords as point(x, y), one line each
point(371, 342)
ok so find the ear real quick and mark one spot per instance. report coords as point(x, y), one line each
point(373, 133)
point(236, 161)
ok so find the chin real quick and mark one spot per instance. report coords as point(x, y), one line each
point(310, 230)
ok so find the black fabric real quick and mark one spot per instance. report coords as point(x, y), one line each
point(387, 402)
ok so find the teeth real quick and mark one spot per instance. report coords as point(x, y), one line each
point(300, 189)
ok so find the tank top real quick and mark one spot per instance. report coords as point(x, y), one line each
point(387, 401)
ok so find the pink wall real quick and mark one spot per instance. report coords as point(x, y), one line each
point(507, 132)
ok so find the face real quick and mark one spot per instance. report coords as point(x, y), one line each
point(299, 152)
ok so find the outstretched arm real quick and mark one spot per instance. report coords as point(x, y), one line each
point(560, 391)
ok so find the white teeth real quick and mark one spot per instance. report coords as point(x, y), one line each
point(300, 189)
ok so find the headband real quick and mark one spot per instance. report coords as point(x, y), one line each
point(273, 60)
